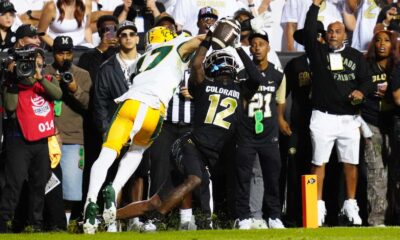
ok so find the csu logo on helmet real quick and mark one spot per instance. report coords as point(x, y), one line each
point(159, 35)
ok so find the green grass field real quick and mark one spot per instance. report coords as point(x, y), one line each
point(288, 234)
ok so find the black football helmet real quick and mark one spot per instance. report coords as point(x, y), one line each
point(219, 63)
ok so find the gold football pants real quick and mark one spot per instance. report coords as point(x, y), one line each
point(134, 119)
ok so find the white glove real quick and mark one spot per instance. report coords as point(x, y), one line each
point(263, 20)
point(237, 43)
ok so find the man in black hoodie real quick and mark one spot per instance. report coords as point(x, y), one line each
point(340, 80)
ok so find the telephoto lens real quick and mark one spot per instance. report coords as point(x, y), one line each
point(67, 77)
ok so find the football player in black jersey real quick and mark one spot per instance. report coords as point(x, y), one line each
point(258, 133)
point(377, 111)
point(218, 98)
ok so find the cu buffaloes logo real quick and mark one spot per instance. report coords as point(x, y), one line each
point(311, 181)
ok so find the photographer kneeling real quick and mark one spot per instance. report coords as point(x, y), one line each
point(28, 101)
point(75, 83)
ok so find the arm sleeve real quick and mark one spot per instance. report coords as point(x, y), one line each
point(52, 88)
point(310, 30)
point(251, 69)
point(100, 98)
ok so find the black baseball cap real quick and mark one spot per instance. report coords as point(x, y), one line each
point(298, 35)
point(63, 43)
point(6, 6)
point(207, 12)
point(126, 25)
point(164, 16)
point(263, 35)
point(243, 11)
point(27, 30)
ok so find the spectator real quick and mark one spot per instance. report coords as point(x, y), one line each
point(294, 14)
point(26, 135)
point(27, 34)
point(113, 78)
point(366, 13)
point(142, 13)
point(7, 17)
point(22, 6)
point(377, 110)
point(394, 166)
point(165, 20)
point(28, 12)
point(75, 84)
point(245, 17)
point(298, 76)
point(186, 12)
point(274, 8)
point(261, 138)
point(340, 80)
point(68, 18)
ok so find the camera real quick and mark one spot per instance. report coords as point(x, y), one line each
point(67, 77)
point(25, 62)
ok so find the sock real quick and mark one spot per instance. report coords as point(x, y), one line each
point(186, 215)
point(98, 173)
point(128, 165)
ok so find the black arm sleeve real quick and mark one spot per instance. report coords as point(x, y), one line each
point(254, 74)
point(310, 30)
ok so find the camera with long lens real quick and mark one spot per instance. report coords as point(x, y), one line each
point(25, 62)
point(67, 77)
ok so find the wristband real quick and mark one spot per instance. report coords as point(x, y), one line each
point(252, 5)
point(205, 44)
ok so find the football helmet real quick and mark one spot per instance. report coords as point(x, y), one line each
point(219, 63)
point(159, 35)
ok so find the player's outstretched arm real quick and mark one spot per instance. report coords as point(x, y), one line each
point(197, 72)
point(190, 46)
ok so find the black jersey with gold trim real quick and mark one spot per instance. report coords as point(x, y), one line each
point(264, 100)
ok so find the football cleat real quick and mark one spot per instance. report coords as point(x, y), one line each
point(110, 210)
point(90, 222)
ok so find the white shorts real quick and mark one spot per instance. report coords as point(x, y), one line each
point(328, 129)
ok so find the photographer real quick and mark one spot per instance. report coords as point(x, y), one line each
point(75, 84)
point(28, 101)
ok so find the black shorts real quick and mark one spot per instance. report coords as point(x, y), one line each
point(188, 159)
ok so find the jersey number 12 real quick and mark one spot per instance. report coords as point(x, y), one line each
point(218, 118)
